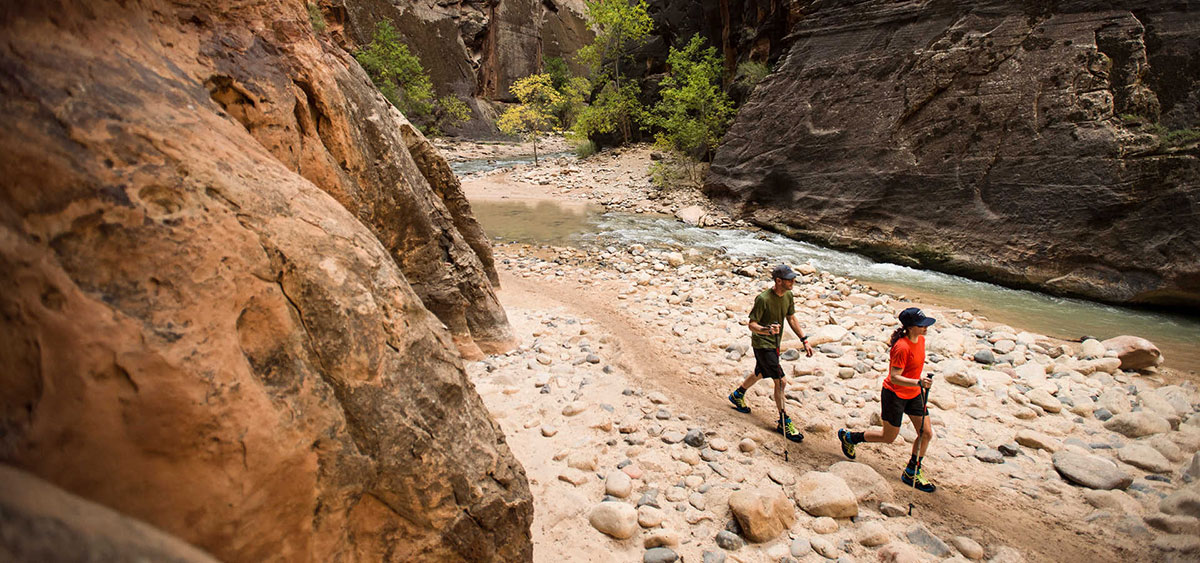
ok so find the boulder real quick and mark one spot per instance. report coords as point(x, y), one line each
point(762, 513)
point(235, 275)
point(863, 480)
point(616, 519)
point(42, 522)
point(1138, 424)
point(1091, 471)
point(692, 215)
point(1134, 352)
point(825, 494)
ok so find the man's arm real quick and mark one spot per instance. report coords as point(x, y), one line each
point(796, 329)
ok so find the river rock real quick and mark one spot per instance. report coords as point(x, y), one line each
point(968, 547)
point(873, 534)
point(747, 445)
point(826, 334)
point(762, 513)
point(712, 556)
point(650, 516)
point(898, 552)
point(800, 547)
point(1045, 400)
point(921, 537)
point(1138, 424)
point(660, 555)
point(824, 525)
point(692, 214)
point(985, 357)
point(825, 494)
point(1091, 349)
point(1174, 524)
point(729, 541)
point(1090, 471)
point(616, 519)
point(988, 455)
point(1145, 457)
point(823, 547)
point(695, 438)
point(892, 510)
point(1191, 471)
point(1184, 502)
point(963, 378)
point(863, 480)
point(618, 484)
point(1115, 501)
point(1037, 440)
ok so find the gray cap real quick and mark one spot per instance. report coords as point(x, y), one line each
point(783, 271)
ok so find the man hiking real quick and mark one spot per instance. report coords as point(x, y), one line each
point(771, 307)
point(904, 392)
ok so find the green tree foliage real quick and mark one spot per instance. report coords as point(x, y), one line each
point(534, 115)
point(693, 112)
point(450, 111)
point(559, 73)
point(397, 72)
point(620, 27)
point(751, 73)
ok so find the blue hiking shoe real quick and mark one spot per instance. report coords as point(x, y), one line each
point(739, 402)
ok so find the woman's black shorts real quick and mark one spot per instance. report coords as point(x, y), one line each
point(766, 363)
point(894, 408)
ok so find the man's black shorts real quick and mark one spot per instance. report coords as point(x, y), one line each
point(766, 363)
point(894, 408)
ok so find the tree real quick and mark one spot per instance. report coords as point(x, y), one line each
point(534, 115)
point(397, 72)
point(620, 27)
point(693, 112)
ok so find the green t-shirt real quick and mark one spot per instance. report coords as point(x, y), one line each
point(770, 309)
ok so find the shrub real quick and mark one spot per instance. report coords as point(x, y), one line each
point(585, 148)
point(534, 115)
point(316, 17)
point(397, 72)
point(751, 73)
point(693, 112)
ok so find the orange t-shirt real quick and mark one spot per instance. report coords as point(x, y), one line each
point(910, 357)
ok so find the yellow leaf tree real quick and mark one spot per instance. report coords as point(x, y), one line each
point(534, 115)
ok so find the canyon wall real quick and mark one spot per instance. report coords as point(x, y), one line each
point(232, 294)
point(1042, 145)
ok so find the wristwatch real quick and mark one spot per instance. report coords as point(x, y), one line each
point(804, 339)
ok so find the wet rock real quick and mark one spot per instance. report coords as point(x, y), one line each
point(616, 519)
point(762, 513)
point(1090, 471)
point(825, 494)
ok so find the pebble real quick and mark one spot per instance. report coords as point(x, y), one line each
point(616, 519)
point(729, 541)
point(824, 525)
point(573, 408)
point(800, 547)
point(873, 534)
point(921, 537)
point(618, 484)
point(573, 476)
point(968, 547)
point(746, 445)
point(650, 517)
point(695, 438)
point(892, 510)
point(660, 555)
point(823, 547)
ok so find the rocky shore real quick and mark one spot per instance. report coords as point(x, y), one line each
point(615, 404)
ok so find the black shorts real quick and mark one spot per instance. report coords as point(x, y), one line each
point(766, 363)
point(894, 408)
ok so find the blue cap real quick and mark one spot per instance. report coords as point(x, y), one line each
point(783, 271)
point(913, 316)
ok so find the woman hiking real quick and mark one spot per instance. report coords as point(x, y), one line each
point(904, 392)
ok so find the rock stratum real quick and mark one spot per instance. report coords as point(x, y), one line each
point(1035, 145)
point(234, 277)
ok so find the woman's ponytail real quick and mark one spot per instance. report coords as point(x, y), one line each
point(897, 335)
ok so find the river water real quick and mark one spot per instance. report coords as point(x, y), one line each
point(545, 222)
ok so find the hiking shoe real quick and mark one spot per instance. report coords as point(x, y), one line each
point(916, 479)
point(847, 445)
point(739, 402)
point(788, 429)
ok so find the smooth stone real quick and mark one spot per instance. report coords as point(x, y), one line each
point(729, 541)
point(1138, 424)
point(1144, 457)
point(800, 547)
point(660, 555)
point(823, 547)
point(615, 519)
point(746, 445)
point(968, 547)
point(863, 480)
point(1091, 471)
point(825, 494)
point(762, 513)
point(649, 516)
point(988, 455)
point(782, 475)
point(710, 556)
point(618, 484)
point(1037, 440)
point(824, 525)
point(873, 534)
point(892, 510)
point(921, 537)
point(695, 438)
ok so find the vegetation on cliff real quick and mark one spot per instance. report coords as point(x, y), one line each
point(403, 81)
